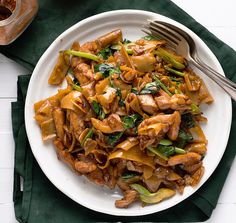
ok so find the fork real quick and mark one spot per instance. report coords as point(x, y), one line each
point(180, 41)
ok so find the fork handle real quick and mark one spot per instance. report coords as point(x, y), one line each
point(228, 86)
point(224, 79)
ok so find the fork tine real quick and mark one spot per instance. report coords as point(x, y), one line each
point(181, 33)
point(157, 36)
point(167, 28)
point(151, 32)
point(162, 34)
point(169, 33)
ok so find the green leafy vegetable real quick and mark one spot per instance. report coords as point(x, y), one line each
point(76, 85)
point(105, 53)
point(162, 85)
point(82, 54)
point(118, 92)
point(121, 102)
point(183, 138)
point(150, 88)
point(134, 90)
point(173, 71)
point(126, 41)
point(98, 110)
point(112, 139)
point(75, 81)
point(131, 121)
point(89, 135)
point(129, 174)
point(187, 120)
point(165, 151)
point(149, 37)
point(106, 69)
point(155, 151)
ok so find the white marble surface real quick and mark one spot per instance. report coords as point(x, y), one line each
point(218, 16)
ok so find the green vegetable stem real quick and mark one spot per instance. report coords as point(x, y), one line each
point(173, 71)
point(82, 54)
point(169, 58)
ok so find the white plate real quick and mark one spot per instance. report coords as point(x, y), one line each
point(78, 188)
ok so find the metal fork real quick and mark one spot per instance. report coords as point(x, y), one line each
point(184, 45)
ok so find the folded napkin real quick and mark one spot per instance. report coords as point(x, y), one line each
point(40, 201)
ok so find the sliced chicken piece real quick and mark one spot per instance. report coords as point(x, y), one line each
point(59, 120)
point(174, 128)
point(110, 176)
point(163, 101)
point(77, 124)
point(147, 103)
point(129, 197)
point(83, 73)
point(133, 166)
point(180, 102)
point(90, 47)
point(96, 177)
point(176, 102)
point(166, 173)
point(115, 123)
point(63, 154)
point(121, 165)
point(199, 148)
point(119, 58)
point(192, 168)
point(194, 179)
point(85, 167)
point(85, 164)
point(186, 159)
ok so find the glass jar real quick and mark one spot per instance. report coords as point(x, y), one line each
point(15, 16)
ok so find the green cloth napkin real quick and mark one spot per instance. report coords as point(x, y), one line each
point(40, 201)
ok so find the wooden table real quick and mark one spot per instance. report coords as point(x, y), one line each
point(218, 16)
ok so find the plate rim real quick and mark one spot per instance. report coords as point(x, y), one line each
point(76, 26)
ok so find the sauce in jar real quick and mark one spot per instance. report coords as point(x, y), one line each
point(15, 16)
